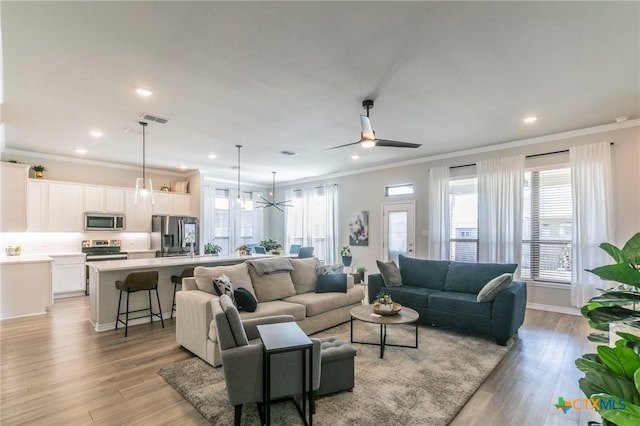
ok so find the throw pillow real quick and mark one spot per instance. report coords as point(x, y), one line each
point(330, 283)
point(222, 285)
point(304, 274)
point(493, 287)
point(238, 275)
point(390, 273)
point(329, 269)
point(245, 300)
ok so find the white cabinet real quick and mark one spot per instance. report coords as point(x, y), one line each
point(66, 207)
point(168, 204)
point(68, 275)
point(101, 199)
point(13, 190)
point(138, 216)
point(37, 205)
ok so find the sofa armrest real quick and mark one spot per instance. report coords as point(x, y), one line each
point(251, 325)
point(508, 311)
point(193, 319)
point(376, 282)
point(189, 284)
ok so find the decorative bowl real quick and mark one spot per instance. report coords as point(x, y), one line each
point(396, 307)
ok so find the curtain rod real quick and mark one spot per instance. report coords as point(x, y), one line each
point(527, 156)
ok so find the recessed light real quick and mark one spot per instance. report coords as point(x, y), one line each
point(212, 156)
point(96, 133)
point(81, 151)
point(355, 156)
point(183, 167)
point(530, 119)
point(144, 92)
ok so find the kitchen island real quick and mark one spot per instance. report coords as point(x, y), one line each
point(103, 295)
point(25, 285)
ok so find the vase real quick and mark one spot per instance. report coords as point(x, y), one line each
point(39, 174)
point(346, 260)
point(385, 308)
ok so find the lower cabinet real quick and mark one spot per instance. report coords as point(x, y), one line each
point(68, 276)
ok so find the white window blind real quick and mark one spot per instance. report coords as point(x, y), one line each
point(463, 219)
point(547, 226)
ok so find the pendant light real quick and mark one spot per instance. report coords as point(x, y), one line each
point(240, 198)
point(273, 203)
point(144, 187)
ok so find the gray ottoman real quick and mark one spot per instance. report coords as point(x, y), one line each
point(337, 368)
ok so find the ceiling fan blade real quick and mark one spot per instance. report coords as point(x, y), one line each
point(396, 144)
point(341, 146)
point(367, 130)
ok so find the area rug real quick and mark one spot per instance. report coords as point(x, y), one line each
point(424, 386)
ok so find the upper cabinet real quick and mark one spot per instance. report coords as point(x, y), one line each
point(101, 199)
point(13, 188)
point(138, 216)
point(171, 204)
point(66, 207)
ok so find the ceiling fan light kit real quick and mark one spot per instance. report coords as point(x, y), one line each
point(273, 203)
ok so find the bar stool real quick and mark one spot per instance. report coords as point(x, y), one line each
point(177, 281)
point(138, 281)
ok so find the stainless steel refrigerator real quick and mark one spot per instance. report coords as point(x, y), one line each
point(174, 235)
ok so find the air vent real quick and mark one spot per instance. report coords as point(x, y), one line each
point(150, 117)
point(288, 153)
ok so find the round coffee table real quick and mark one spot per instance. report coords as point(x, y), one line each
point(365, 313)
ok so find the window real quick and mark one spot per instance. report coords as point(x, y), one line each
point(221, 216)
point(403, 189)
point(463, 220)
point(547, 226)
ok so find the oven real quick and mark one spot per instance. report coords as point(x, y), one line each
point(101, 251)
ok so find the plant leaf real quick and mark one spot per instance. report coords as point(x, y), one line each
point(631, 249)
point(608, 314)
point(621, 360)
point(598, 338)
point(614, 252)
point(629, 416)
point(629, 337)
point(636, 379)
point(584, 364)
point(595, 382)
point(616, 296)
point(619, 272)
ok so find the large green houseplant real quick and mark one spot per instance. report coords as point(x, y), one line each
point(612, 375)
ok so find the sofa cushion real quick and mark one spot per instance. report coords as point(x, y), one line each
point(493, 287)
point(423, 272)
point(304, 274)
point(332, 283)
point(318, 303)
point(411, 295)
point(274, 286)
point(235, 323)
point(245, 300)
point(238, 274)
point(463, 304)
point(390, 273)
point(277, 307)
point(471, 277)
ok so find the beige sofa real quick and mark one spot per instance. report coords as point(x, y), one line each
point(278, 293)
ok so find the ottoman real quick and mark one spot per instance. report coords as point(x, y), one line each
point(336, 366)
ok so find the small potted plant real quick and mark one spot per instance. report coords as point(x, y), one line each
point(244, 250)
point(345, 252)
point(211, 248)
point(38, 171)
point(385, 304)
point(360, 270)
point(271, 246)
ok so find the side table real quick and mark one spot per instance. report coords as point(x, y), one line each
point(280, 338)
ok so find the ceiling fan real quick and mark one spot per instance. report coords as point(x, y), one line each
point(368, 136)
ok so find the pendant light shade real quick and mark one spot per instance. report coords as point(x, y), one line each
point(144, 187)
point(240, 198)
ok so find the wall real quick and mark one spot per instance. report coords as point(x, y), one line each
point(365, 191)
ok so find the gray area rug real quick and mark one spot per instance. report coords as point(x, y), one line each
point(424, 386)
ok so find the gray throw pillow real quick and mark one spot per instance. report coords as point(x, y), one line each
point(493, 287)
point(222, 285)
point(390, 273)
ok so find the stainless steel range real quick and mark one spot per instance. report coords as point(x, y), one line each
point(99, 251)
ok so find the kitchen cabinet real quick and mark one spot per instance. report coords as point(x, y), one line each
point(101, 199)
point(168, 204)
point(137, 216)
point(66, 207)
point(37, 205)
point(13, 190)
point(68, 275)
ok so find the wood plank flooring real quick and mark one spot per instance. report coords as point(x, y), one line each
point(55, 370)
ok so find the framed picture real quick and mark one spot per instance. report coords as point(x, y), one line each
point(359, 229)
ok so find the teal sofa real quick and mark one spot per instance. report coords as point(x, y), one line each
point(445, 294)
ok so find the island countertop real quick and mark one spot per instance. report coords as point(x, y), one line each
point(159, 262)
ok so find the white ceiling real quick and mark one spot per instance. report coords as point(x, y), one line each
point(292, 76)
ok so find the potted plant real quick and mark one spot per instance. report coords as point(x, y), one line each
point(271, 246)
point(345, 252)
point(38, 171)
point(612, 375)
point(244, 250)
point(211, 248)
point(385, 304)
point(361, 270)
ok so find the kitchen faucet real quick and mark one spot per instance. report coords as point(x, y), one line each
point(191, 241)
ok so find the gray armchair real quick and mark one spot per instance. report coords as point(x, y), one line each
point(241, 350)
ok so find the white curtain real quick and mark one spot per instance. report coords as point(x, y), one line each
point(500, 200)
point(208, 225)
point(331, 246)
point(591, 183)
point(439, 213)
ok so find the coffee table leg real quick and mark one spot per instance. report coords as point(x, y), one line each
point(352, 330)
point(383, 339)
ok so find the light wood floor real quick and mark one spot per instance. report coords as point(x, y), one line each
point(55, 370)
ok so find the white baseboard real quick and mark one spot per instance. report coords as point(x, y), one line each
point(552, 308)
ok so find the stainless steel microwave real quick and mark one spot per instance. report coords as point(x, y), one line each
point(103, 221)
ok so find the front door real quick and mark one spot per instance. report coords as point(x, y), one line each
point(398, 230)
